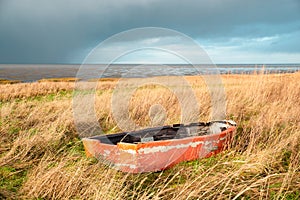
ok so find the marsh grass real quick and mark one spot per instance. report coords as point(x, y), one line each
point(64, 79)
point(5, 81)
point(42, 157)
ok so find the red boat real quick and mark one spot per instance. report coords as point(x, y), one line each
point(159, 148)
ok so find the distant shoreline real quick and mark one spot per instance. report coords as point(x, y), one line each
point(74, 79)
point(33, 73)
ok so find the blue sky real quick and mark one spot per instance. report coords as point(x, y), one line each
point(230, 31)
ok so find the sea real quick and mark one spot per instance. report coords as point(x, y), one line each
point(34, 72)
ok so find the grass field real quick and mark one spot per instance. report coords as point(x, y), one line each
point(42, 157)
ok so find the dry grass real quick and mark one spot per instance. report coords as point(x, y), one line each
point(5, 81)
point(65, 79)
point(42, 157)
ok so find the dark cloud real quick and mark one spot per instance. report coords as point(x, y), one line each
point(40, 31)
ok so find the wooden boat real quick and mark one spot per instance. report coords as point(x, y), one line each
point(159, 148)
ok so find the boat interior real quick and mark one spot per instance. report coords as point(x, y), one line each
point(175, 131)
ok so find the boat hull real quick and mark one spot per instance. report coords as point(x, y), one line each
point(153, 156)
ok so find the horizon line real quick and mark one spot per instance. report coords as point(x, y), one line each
point(292, 63)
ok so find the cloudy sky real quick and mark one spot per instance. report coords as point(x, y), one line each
point(230, 31)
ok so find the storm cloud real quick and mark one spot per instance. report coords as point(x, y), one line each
point(64, 31)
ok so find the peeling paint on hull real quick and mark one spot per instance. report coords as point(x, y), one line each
point(152, 156)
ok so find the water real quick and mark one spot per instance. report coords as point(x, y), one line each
point(30, 72)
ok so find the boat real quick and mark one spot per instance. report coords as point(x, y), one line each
point(159, 148)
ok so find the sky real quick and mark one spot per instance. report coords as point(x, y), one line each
point(229, 31)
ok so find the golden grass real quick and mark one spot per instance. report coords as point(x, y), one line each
point(27, 90)
point(42, 157)
point(5, 81)
point(64, 79)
